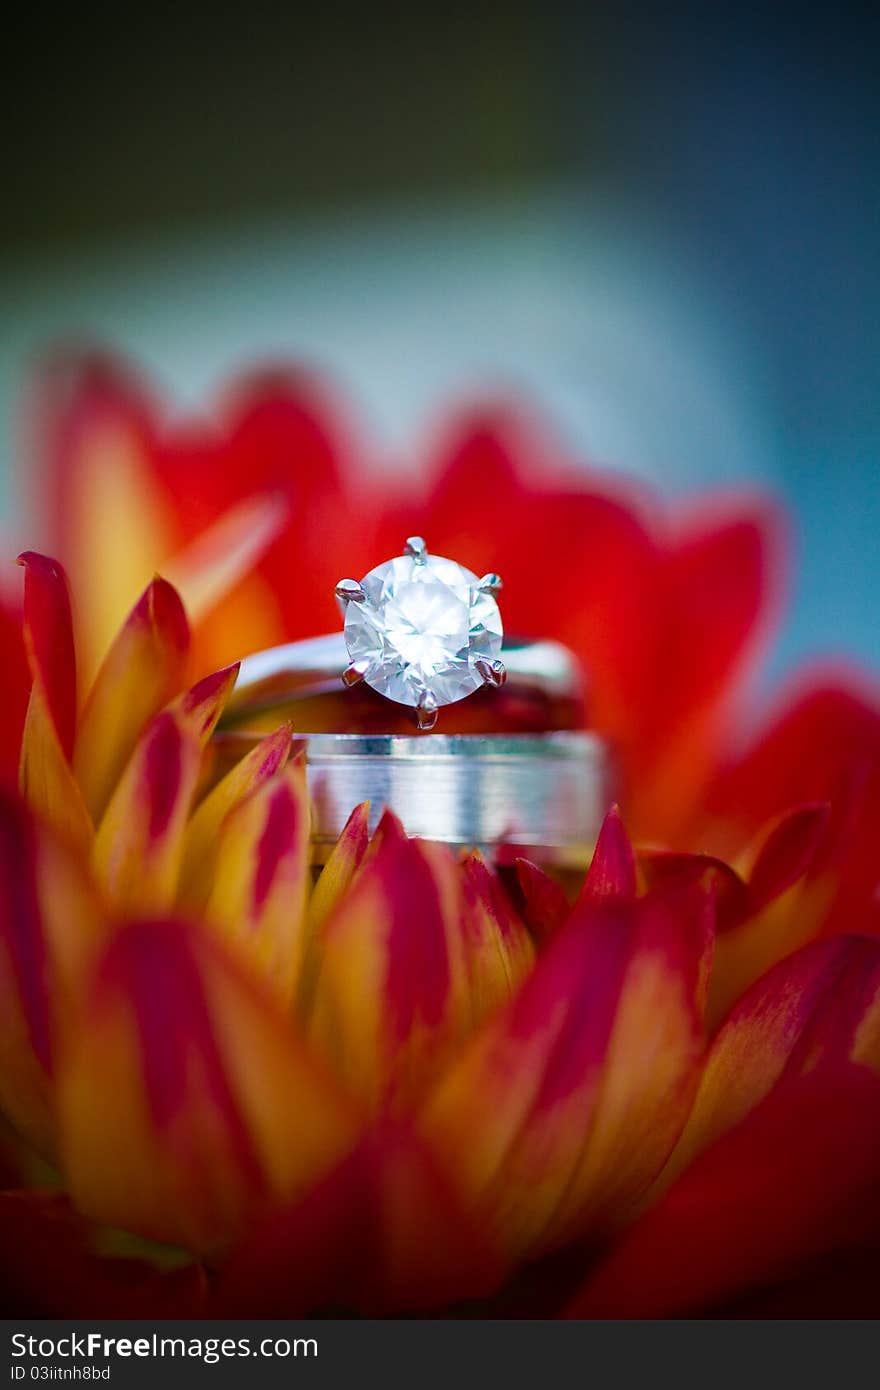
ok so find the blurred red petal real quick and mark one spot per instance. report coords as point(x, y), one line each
point(342, 863)
point(612, 871)
point(262, 878)
point(202, 836)
point(91, 445)
point(51, 930)
point(14, 693)
point(567, 1103)
point(818, 1007)
point(391, 996)
point(498, 949)
point(50, 1268)
point(823, 747)
point(787, 853)
point(48, 636)
point(139, 845)
point(382, 1234)
point(141, 672)
point(544, 904)
point(187, 1154)
point(796, 1179)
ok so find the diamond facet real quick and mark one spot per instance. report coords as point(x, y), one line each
point(422, 629)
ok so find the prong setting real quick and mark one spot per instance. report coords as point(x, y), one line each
point(426, 711)
point(416, 549)
point(350, 591)
point(490, 584)
point(494, 673)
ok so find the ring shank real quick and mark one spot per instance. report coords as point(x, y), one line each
point(302, 680)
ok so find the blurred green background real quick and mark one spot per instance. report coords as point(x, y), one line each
point(658, 222)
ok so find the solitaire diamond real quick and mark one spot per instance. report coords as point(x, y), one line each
point(422, 630)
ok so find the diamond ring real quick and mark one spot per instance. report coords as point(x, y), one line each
point(513, 770)
point(423, 631)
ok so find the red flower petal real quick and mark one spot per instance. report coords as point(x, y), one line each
point(391, 996)
point(817, 1007)
point(342, 863)
point(612, 871)
point(139, 844)
point(824, 747)
point(48, 635)
point(796, 1179)
point(567, 1103)
point(141, 672)
point(545, 906)
point(50, 933)
point(187, 1153)
point(787, 853)
point(383, 1233)
point(262, 878)
point(49, 1269)
point(498, 949)
point(201, 706)
point(201, 840)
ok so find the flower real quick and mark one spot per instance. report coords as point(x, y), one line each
point(418, 1082)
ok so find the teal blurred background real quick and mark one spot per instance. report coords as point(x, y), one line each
point(660, 223)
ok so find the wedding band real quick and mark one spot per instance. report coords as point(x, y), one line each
point(541, 796)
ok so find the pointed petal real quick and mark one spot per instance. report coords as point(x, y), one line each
point(94, 438)
point(139, 844)
point(391, 993)
point(382, 1234)
point(262, 878)
point(187, 1153)
point(661, 868)
point(612, 872)
point(202, 837)
point(498, 949)
point(45, 775)
point(545, 906)
point(46, 778)
point(340, 868)
point(567, 1103)
point(824, 746)
point(817, 1007)
point(202, 705)
point(212, 564)
point(797, 1178)
point(48, 635)
point(787, 852)
point(141, 672)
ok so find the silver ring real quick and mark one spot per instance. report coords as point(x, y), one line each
point(539, 796)
point(543, 672)
point(514, 775)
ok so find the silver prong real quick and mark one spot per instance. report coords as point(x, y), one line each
point(415, 547)
point(350, 591)
point(493, 672)
point(426, 713)
point(355, 672)
point(490, 584)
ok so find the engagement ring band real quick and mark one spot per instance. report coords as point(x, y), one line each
point(512, 773)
